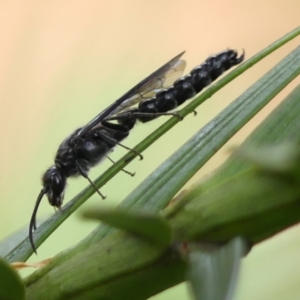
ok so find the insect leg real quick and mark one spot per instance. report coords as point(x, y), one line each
point(110, 140)
point(127, 172)
point(84, 174)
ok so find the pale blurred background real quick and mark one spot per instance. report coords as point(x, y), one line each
point(62, 62)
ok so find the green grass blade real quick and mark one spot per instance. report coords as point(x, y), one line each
point(205, 143)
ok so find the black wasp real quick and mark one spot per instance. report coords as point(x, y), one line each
point(156, 95)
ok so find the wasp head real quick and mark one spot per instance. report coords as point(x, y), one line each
point(54, 183)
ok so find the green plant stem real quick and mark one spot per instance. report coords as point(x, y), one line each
point(255, 204)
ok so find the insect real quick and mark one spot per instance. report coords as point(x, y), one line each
point(156, 95)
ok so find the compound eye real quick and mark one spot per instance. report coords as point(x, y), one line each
point(59, 200)
point(56, 196)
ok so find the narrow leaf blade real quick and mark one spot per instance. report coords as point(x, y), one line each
point(213, 274)
point(150, 226)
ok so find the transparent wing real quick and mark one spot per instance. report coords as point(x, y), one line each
point(150, 89)
point(162, 77)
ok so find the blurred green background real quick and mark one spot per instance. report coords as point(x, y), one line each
point(61, 63)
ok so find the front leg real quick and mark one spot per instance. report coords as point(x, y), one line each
point(84, 174)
